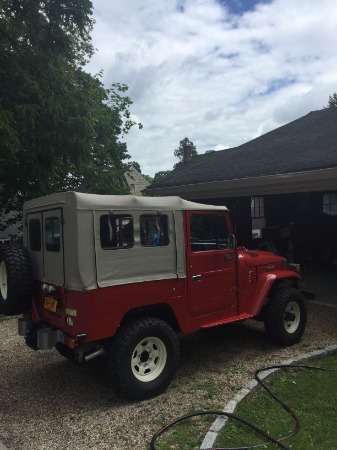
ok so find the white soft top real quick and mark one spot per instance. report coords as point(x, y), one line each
point(86, 264)
point(119, 202)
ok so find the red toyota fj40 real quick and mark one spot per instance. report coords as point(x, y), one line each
point(123, 275)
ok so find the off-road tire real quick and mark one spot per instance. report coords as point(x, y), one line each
point(143, 357)
point(285, 316)
point(16, 279)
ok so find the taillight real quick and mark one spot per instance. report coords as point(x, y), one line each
point(48, 289)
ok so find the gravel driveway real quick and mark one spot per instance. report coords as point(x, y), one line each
point(50, 403)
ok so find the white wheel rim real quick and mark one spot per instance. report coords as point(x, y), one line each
point(3, 280)
point(292, 316)
point(148, 359)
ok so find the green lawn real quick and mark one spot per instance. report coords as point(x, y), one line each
point(311, 394)
point(2, 317)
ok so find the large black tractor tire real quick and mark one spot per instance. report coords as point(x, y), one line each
point(143, 357)
point(16, 279)
point(285, 316)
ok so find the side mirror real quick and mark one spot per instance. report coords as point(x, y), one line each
point(232, 242)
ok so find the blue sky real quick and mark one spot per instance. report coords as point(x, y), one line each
point(220, 72)
point(241, 6)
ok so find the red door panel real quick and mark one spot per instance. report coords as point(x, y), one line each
point(211, 265)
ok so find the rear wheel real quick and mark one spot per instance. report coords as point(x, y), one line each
point(143, 357)
point(285, 316)
point(16, 279)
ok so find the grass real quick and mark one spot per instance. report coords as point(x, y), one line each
point(310, 393)
point(2, 317)
point(187, 435)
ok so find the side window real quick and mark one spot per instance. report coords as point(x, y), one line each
point(116, 231)
point(34, 229)
point(52, 230)
point(208, 232)
point(154, 230)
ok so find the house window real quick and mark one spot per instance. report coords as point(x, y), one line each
point(330, 203)
point(258, 218)
point(257, 207)
point(116, 231)
point(208, 232)
point(154, 230)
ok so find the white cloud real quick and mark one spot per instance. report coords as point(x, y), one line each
point(196, 70)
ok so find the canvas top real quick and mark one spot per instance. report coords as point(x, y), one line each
point(79, 222)
point(117, 202)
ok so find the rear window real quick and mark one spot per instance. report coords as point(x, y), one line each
point(52, 230)
point(116, 232)
point(35, 235)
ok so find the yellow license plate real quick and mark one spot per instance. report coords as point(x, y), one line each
point(50, 304)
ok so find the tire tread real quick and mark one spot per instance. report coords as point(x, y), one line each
point(118, 346)
point(19, 279)
point(274, 316)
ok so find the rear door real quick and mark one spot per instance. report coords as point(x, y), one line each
point(211, 265)
point(45, 245)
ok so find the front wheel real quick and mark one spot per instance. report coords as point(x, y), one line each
point(285, 316)
point(143, 357)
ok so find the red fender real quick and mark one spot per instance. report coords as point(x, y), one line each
point(265, 283)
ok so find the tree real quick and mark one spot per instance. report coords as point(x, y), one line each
point(136, 165)
point(160, 175)
point(332, 101)
point(59, 126)
point(179, 152)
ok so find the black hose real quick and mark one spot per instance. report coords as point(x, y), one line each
point(268, 437)
point(218, 413)
point(284, 405)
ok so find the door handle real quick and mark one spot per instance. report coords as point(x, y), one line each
point(196, 277)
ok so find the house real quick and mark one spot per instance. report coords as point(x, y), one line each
point(137, 183)
point(281, 187)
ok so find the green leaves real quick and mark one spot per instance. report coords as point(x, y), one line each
point(332, 101)
point(179, 152)
point(59, 126)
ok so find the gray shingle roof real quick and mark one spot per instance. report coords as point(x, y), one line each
point(308, 143)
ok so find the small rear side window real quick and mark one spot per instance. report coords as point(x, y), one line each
point(116, 232)
point(154, 230)
point(52, 234)
point(35, 235)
